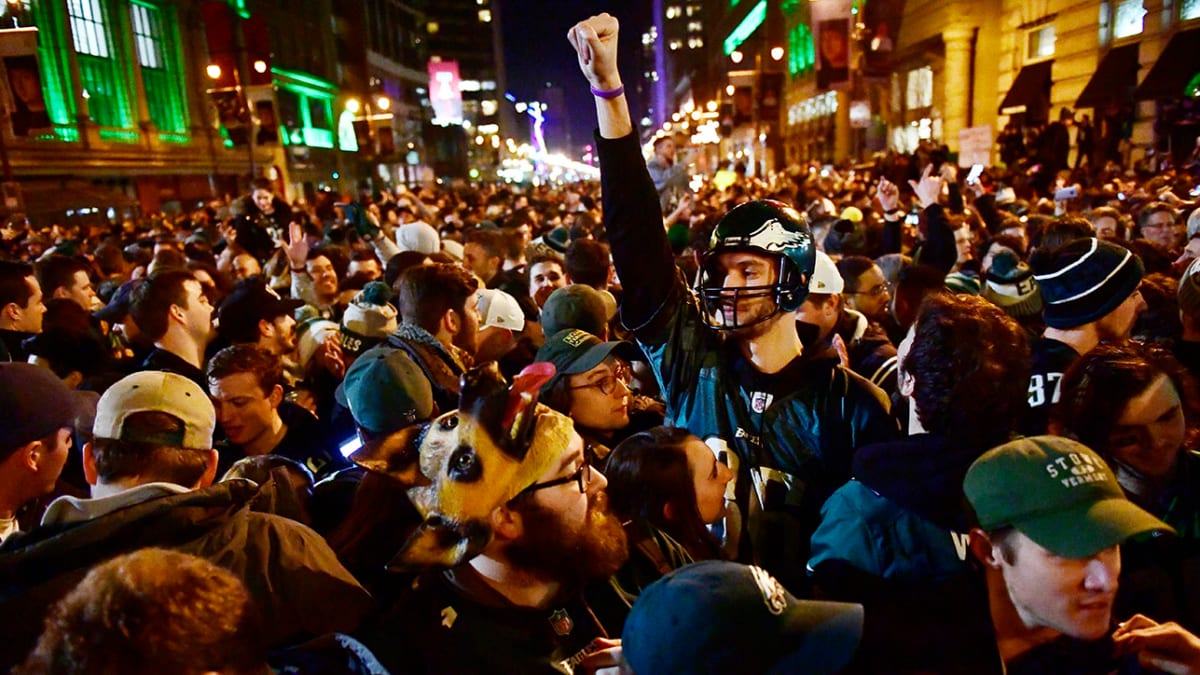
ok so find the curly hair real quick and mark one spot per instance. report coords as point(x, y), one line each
point(152, 611)
point(1097, 387)
point(970, 363)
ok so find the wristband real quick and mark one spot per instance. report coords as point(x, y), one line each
point(608, 93)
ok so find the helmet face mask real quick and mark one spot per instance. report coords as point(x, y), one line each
point(769, 230)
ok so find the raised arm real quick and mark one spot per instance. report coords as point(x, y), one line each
point(595, 43)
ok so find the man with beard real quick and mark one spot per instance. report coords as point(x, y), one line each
point(1090, 292)
point(519, 606)
point(255, 314)
point(439, 325)
point(729, 358)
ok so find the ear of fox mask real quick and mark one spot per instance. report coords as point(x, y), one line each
point(396, 456)
point(505, 412)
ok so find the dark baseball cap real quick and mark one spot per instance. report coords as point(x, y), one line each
point(386, 391)
point(250, 302)
point(724, 617)
point(574, 351)
point(118, 304)
point(35, 402)
point(1057, 492)
point(575, 306)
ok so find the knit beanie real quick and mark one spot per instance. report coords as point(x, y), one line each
point(369, 318)
point(962, 283)
point(1011, 287)
point(1085, 280)
point(1189, 289)
point(420, 237)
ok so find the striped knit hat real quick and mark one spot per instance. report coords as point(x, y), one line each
point(1189, 289)
point(1085, 280)
point(1010, 286)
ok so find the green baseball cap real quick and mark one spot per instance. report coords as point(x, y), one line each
point(386, 391)
point(573, 351)
point(1057, 492)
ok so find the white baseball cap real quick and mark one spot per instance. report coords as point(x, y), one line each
point(157, 391)
point(498, 309)
point(825, 277)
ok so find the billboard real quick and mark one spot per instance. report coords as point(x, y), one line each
point(444, 93)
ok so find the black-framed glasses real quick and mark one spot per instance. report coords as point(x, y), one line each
point(620, 373)
point(582, 475)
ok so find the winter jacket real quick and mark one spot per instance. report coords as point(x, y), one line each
point(288, 569)
point(902, 518)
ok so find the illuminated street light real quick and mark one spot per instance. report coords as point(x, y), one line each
point(383, 103)
point(260, 66)
point(213, 71)
point(729, 90)
point(353, 106)
point(712, 106)
point(736, 56)
point(520, 107)
point(776, 53)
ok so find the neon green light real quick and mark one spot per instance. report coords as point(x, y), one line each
point(318, 138)
point(802, 54)
point(1193, 87)
point(747, 27)
point(347, 139)
point(167, 137)
point(240, 7)
point(120, 135)
point(52, 59)
point(303, 90)
point(325, 86)
point(789, 7)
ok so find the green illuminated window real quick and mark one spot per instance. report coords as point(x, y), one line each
point(310, 99)
point(102, 77)
point(801, 51)
point(157, 41)
point(52, 59)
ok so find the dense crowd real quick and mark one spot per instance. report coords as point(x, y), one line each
point(890, 418)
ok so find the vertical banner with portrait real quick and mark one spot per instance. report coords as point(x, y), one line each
point(25, 100)
point(831, 26)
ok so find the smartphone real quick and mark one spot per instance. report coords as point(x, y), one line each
point(1067, 193)
point(912, 219)
point(1195, 192)
point(976, 172)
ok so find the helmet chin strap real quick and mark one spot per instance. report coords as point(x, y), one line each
point(713, 297)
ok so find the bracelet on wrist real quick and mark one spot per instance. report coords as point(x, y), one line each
point(608, 93)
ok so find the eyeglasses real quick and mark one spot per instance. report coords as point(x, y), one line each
point(621, 373)
point(583, 475)
point(874, 291)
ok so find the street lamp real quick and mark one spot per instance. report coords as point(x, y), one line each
point(213, 71)
point(260, 66)
point(736, 56)
point(776, 53)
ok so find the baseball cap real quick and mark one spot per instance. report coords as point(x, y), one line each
point(157, 391)
point(35, 403)
point(724, 617)
point(574, 351)
point(574, 306)
point(386, 391)
point(250, 302)
point(825, 277)
point(498, 309)
point(118, 304)
point(1057, 492)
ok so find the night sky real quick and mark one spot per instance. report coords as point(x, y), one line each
point(537, 52)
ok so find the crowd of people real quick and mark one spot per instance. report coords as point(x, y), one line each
point(889, 419)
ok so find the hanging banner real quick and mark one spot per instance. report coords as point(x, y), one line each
point(831, 25)
point(444, 93)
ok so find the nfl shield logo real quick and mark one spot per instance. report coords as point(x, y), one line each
point(561, 622)
point(760, 401)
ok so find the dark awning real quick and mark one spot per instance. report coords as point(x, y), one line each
point(1115, 78)
point(1177, 65)
point(1030, 90)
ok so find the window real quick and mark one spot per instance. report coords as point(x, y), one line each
point(1189, 9)
point(87, 25)
point(102, 77)
point(693, 10)
point(676, 44)
point(1105, 22)
point(674, 11)
point(1129, 19)
point(801, 53)
point(1040, 43)
point(485, 16)
point(695, 43)
point(695, 27)
point(319, 114)
point(919, 93)
point(155, 37)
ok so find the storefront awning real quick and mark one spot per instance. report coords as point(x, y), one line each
point(1115, 78)
point(1030, 90)
point(1177, 65)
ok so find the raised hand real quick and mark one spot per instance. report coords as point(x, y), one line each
point(888, 195)
point(297, 245)
point(928, 189)
point(595, 43)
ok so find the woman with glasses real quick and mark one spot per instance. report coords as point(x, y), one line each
point(667, 486)
point(592, 387)
point(1135, 405)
